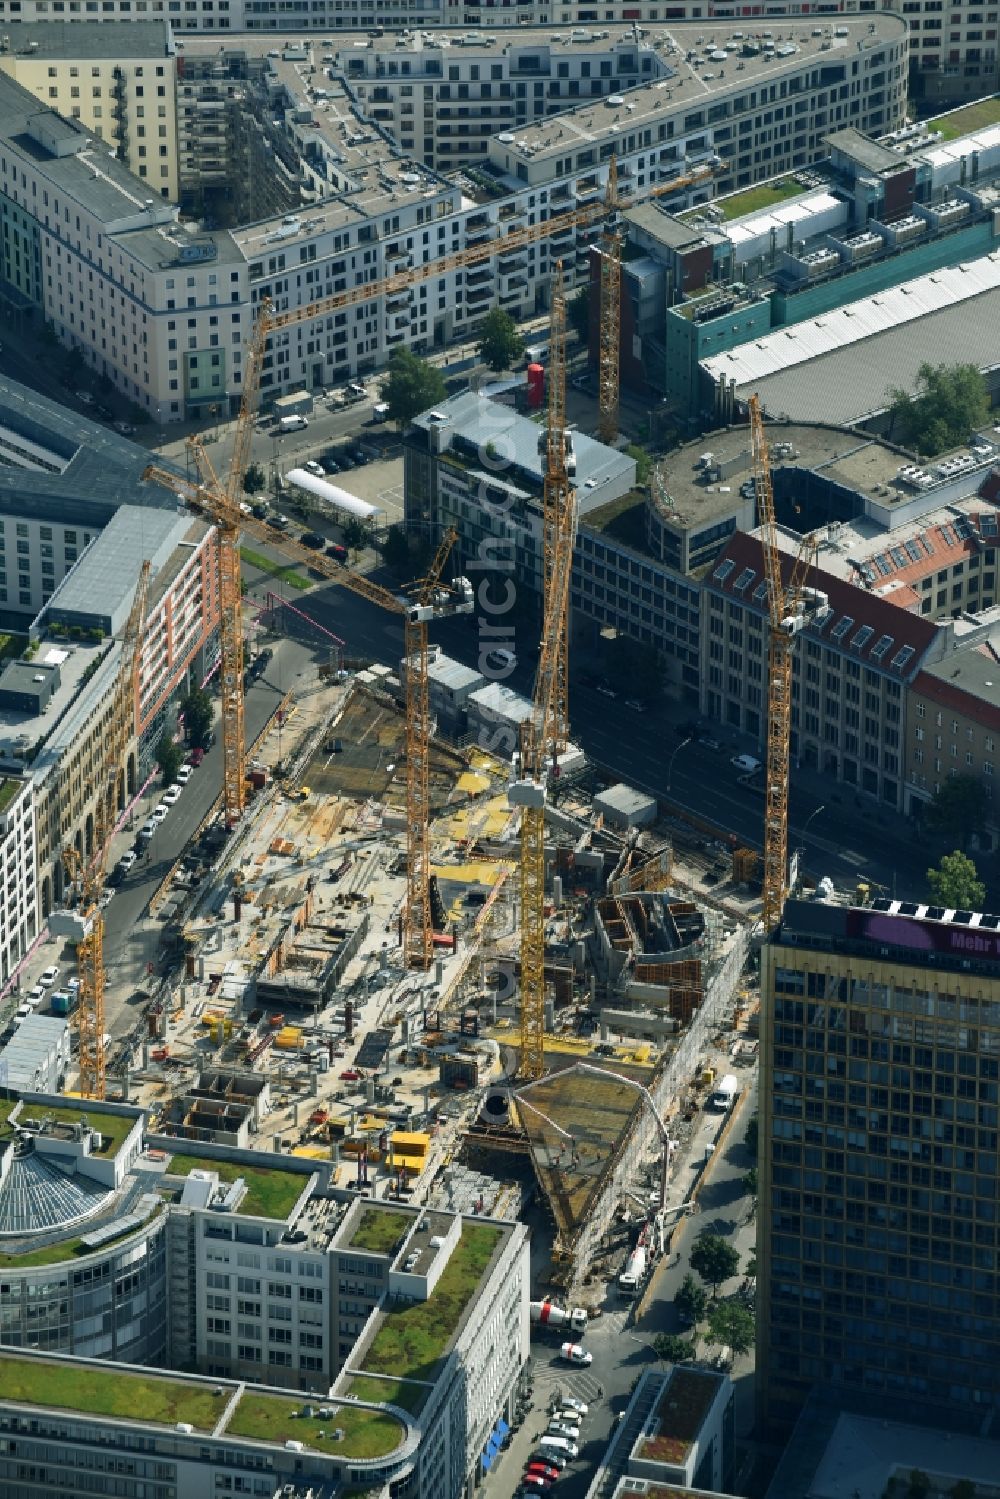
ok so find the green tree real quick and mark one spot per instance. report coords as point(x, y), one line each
point(950, 402)
point(578, 314)
point(750, 1138)
point(714, 1261)
point(752, 1263)
point(671, 1348)
point(197, 710)
point(410, 386)
point(254, 480)
point(168, 758)
point(355, 535)
point(396, 551)
point(500, 345)
point(919, 1485)
point(959, 808)
point(730, 1325)
point(691, 1300)
point(749, 1182)
point(955, 883)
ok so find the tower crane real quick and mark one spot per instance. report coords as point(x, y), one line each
point(419, 603)
point(791, 605)
point(90, 951)
point(543, 732)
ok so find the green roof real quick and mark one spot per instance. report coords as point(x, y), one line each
point(412, 1338)
point(408, 1395)
point(757, 199)
point(7, 1107)
point(379, 1230)
point(271, 1192)
point(113, 1127)
point(971, 117)
point(276, 1418)
point(106, 1392)
point(8, 790)
point(66, 1249)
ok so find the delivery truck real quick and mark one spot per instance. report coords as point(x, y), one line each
point(547, 1314)
point(725, 1095)
point(631, 1279)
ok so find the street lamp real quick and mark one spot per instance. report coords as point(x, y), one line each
point(673, 757)
point(805, 826)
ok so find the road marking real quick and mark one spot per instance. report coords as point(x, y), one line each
point(850, 857)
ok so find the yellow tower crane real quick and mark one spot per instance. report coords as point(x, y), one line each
point(420, 602)
point(790, 606)
point(92, 870)
point(543, 733)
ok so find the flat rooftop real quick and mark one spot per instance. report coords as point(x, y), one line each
point(689, 85)
point(409, 1340)
point(104, 579)
point(974, 672)
point(679, 1415)
point(74, 659)
point(37, 40)
point(217, 1408)
point(272, 1190)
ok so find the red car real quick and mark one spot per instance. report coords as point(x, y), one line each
point(349, 1075)
point(196, 756)
point(543, 1470)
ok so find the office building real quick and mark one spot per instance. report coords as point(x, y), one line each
point(953, 720)
point(117, 80)
point(273, 1278)
point(879, 1096)
point(19, 920)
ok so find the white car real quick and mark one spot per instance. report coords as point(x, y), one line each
point(316, 469)
point(107, 896)
point(126, 863)
point(563, 1429)
point(159, 813)
point(501, 660)
point(575, 1353)
point(147, 830)
point(570, 1403)
point(746, 763)
point(49, 977)
point(173, 794)
point(184, 775)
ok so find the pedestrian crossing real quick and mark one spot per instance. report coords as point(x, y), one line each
point(582, 1384)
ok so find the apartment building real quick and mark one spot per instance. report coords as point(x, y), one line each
point(953, 719)
point(19, 926)
point(272, 1278)
point(879, 1095)
point(117, 80)
point(443, 95)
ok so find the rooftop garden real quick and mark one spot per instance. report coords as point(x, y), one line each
point(976, 116)
point(270, 1193)
point(8, 790)
point(101, 1392)
point(404, 1393)
point(7, 1107)
point(274, 1418)
point(412, 1338)
point(113, 1128)
point(379, 1231)
point(758, 199)
point(683, 1407)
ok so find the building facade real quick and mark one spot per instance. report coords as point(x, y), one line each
point(117, 80)
point(879, 1099)
point(19, 923)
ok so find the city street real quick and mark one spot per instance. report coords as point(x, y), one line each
point(848, 842)
point(621, 1342)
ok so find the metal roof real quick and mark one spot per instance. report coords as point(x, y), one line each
point(103, 581)
point(952, 312)
point(34, 40)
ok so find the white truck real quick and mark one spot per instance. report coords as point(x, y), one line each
point(631, 1279)
point(725, 1094)
point(292, 423)
point(547, 1314)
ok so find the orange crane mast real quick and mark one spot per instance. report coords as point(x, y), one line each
point(791, 605)
point(93, 870)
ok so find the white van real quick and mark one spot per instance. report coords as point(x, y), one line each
point(292, 423)
point(380, 411)
point(725, 1094)
point(559, 1444)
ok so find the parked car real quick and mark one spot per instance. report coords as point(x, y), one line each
point(575, 1353)
point(48, 977)
point(547, 1469)
point(561, 1429)
point(536, 1482)
point(196, 756)
point(316, 469)
point(125, 428)
point(747, 763)
point(606, 689)
point(147, 830)
point(337, 551)
point(173, 793)
point(350, 1075)
point(107, 896)
point(260, 510)
point(126, 862)
point(313, 540)
point(184, 775)
point(279, 522)
point(159, 813)
point(85, 398)
point(635, 704)
point(570, 1402)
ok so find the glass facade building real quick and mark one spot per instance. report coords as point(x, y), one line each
point(879, 1117)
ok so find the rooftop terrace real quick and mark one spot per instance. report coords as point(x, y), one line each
point(379, 1230)
point(113, 1128)
point(679, 1416)
point(351, 1431)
